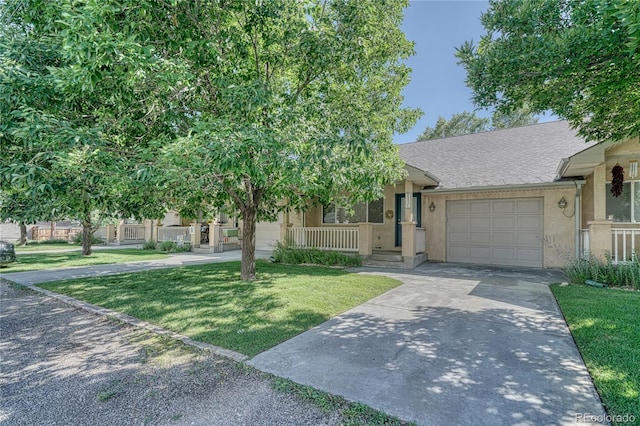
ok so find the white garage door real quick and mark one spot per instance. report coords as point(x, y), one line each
point(267, 234)
point(495, 232)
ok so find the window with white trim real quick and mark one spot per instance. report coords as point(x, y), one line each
point(626, 207)
point(372, 212)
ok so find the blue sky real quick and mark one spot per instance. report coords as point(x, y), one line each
point(437, 85)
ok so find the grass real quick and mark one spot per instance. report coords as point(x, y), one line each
point(210, 303)
point(605, 326)
point(39, 261)
point(52, 246)
point(352, 413)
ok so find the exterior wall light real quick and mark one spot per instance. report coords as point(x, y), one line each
point(633, 169)
point(562, 203)
point(432, 207)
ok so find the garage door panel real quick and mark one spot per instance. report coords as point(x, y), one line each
point(480, 253)
point(458, 223)
point(459, 251)
point(504, 238)
point(458, 208)
point(480, 237)
point(480, 207)
point(500, 232)
point(478, 223)
point(459, 237)
point(504, 222)
point(530, 206)
point(529, 239)
point(503, 253)
point(504, 206)
point(531, 255)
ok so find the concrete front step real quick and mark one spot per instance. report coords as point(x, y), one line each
point(387, 257)
point(393, 260)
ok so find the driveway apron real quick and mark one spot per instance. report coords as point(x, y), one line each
point(452, 345)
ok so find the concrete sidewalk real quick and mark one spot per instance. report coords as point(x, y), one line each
point(452, 345)
point(174, 260)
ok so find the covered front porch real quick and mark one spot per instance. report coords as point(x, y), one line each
point(386, 232)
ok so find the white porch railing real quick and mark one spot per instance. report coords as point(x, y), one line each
point(584, 242)
point(625, 241)
point(174, 233)
point(325, 238)
point(421, 240)
point(132, 232)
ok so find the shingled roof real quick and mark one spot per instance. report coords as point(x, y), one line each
point(517, 156)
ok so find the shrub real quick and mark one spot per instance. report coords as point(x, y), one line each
point(295, 256)
point(58, 241)
point(173, 247)
point(624, 274)
point(149, 245)
point(77, 239)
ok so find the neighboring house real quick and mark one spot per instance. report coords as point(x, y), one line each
point(532, 196)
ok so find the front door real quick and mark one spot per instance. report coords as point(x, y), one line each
point(416, 208)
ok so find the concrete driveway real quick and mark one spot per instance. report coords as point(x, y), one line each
point(452, 345)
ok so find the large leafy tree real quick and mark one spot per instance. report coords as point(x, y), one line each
point(464, 123)
point(283, 102)
point(578, 59)
point(77, 97)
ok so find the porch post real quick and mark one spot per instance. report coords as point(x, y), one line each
point(120, 232)
point(365, 239)
point(600, 193)
point(600, 238)
point(111, 232)
point(195, 236)
point(284, 229)
point(215, 232)
point(408, 238)
point(408, 200)
point(148, 229)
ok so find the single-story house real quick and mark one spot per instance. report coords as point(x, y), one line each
point(534, 196)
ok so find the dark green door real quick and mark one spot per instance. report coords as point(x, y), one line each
point(416, 207)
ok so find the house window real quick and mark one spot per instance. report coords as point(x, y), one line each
point(626, 207)
point(362, 212)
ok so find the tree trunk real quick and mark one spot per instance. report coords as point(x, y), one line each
point(87, 234)
point(23, 234)
point(52, 230)
point(248, 269)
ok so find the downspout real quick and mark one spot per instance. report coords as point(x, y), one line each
point(578, 216)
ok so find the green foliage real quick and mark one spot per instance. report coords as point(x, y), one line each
point(46, 242)
point(295, 256)
point(624, 274)
point(210, 303)
point(604, 324)
point(77, 239)
point(172, 247)
point(150, 245)
point(352, 413)
point(578, 59)
point(464, 123)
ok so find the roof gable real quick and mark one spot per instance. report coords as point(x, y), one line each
point(517, 156)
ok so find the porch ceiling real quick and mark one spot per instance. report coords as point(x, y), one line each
point(421, 177)
point(583, 163)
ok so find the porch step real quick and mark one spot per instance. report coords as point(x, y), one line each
point(387, 257)
point(393, 260)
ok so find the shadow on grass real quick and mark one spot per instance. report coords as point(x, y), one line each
point(36, 261)
point(210, 303)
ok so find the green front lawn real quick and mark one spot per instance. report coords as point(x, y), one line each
point(605, 324)
point(210, 303)
point(43, 247)
point(34, 262)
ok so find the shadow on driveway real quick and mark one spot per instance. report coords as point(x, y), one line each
point(453, 345)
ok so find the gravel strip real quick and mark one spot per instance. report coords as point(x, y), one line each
point(60, 365)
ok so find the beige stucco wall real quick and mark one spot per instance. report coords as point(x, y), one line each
point(383, 233)
point(559, 230)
